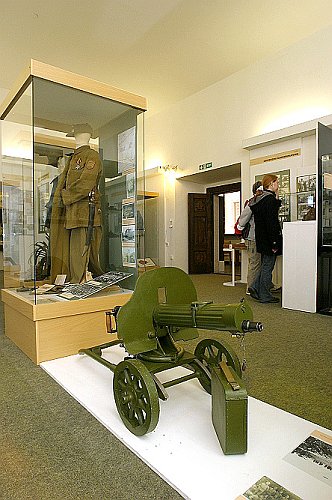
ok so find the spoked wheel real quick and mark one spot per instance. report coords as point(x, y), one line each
point(210, 352)
point(136, 396)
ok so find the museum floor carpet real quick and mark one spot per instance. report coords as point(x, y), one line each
point(52, 448)
point(183, 448)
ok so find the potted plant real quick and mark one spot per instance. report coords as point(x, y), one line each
point(40, 258)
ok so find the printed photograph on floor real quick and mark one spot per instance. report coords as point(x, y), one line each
point(314, 456)
point(267, 489)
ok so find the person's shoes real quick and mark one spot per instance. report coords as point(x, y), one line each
point(273, 300)
point(275, 288)
point(253, 293)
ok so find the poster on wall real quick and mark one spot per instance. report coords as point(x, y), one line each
point(305, 206)
point(306, 183)
point(128, 255)
point(128, 233)
point(127, 150)
point(128, 213)
point(306, 197)
point(284, 193)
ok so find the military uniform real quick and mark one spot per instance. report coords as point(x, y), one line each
point(70, 217)
point(82, 177)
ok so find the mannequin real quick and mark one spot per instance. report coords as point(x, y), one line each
point(78, 208)
point(82, 139)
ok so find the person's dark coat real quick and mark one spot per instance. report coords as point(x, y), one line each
point(265, 208)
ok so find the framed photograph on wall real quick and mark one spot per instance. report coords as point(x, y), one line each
point(306, 197)
point(306, 183)
point(128, 255)
point(128, 213)
point(127, 150)
point(129, 234)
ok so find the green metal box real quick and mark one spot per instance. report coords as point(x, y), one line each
point(229, 411)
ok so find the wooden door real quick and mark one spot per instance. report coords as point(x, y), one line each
point(200, 237)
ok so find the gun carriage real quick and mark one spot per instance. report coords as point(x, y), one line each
point(162, 311)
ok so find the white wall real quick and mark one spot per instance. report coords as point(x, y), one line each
point(3, 94)
point(291, 87)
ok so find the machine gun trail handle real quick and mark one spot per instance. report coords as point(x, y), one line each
point(109, 314)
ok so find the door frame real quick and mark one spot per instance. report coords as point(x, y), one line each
point(215, 191)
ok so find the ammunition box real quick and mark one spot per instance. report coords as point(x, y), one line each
point(229, 411)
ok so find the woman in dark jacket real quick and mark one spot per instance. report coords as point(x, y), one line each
point(265, 208)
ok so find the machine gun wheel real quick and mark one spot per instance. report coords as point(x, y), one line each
point(211, 352)
point(136, 396)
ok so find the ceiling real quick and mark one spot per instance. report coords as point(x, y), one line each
point(163, 50)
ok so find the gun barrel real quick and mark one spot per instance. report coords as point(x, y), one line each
point(208, 316)
point(252, 326)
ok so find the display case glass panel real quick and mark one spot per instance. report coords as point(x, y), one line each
point(18, 210)
point(73, 192)
point(326, 190)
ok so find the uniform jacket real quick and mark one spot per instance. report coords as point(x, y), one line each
point(265, 208)
point(70, 205)
point(81, 177)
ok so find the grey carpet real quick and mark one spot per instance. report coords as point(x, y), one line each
point(52, 448)
point(289, 363)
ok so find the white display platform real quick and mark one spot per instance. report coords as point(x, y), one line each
point(184, 449)
point(299, 280)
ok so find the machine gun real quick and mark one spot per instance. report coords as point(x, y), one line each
point(162, 311)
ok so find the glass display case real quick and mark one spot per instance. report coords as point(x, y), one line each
point(326, 201)
point(72, 185)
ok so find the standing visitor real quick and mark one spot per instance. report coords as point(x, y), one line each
point(254, 258)
point(268, 236)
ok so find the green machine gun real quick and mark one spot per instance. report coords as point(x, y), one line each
point(162, 311)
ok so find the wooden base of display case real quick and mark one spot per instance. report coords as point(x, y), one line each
point(52, 329)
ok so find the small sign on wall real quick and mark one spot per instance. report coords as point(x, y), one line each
point(277, 156)
point(204, 166)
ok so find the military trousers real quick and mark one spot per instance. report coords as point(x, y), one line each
point(254, 262)
point(80, 258)
point(263, 281)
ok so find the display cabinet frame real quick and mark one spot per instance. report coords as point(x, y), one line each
point(35, 89)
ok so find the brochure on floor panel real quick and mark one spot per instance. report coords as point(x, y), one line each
point(81, 291)
point(267, 489)
point(314, 456)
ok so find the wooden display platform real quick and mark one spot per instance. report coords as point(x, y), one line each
point(54, 329)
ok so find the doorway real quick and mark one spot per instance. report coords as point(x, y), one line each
point(206, 229)
point(226, 209)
